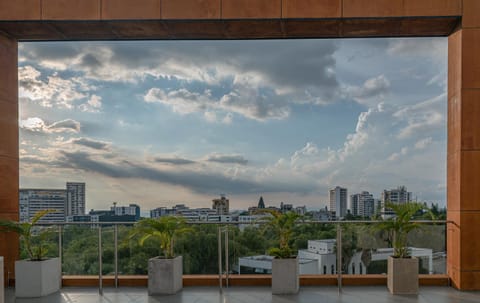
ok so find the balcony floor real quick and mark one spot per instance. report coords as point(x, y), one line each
point(324, 294)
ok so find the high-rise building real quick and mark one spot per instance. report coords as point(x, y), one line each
point(35, 200)
point(75, 198)
point(362, 204)
point(221, 205)
point(399, 195)
point(338, 201)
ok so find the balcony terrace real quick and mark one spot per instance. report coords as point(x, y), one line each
point(111, 278)
point(245, 19)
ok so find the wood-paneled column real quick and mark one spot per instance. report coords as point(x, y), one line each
point(463, 163)
point(9, 247)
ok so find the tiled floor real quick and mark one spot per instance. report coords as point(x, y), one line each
point(371, 294)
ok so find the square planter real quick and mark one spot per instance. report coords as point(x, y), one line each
point(285, 276)
point(402, 276)
point(165, 276)
point(37, 278)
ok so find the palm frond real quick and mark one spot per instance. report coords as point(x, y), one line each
point(164, 229)
point(41, 214)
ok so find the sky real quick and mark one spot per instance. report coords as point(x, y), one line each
point(160, 123)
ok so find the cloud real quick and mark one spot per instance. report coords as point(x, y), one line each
point(174, 161)
point(373, 158)
point(372, 92)
point(199, 181)
point(87, 142)
point(300, 72)
point(195, 60)
point(227, 159)
point(181, 101)
point(65, 125)
point(395, 156)
point(52, 92)
point(422, 118)
point(422, 144)
point(246, 103)
point(37, 125)
point(228, 119)
point(93, 105)
point(431, 48)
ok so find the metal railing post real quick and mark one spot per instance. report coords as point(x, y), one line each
point(339, 257)
point(115, 241)
point(100, 285)
point(60, 246)
point(220, 258)
point(226, 257)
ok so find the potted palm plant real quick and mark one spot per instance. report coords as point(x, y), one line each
point(285, 268)
point(402, 274)
point(165, 271)
point(37, 276)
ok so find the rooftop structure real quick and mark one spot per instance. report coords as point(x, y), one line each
point(221, 205)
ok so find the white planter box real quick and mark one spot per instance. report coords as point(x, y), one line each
point(285, 276)
point(37, 278)
point(165, 276)
point(402, 276)
point(2, 282)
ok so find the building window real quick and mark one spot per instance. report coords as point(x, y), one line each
point(361, 268)
point(353, 268)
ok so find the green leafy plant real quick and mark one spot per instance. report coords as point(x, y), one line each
point(282, 225)
point(164, 229)
point(400, 225)
point(33, 239)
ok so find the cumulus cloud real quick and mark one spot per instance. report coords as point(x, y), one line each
point(54, 91)
point(372, 156)
point(93, 105)
point(372, 92)
point(261, 82)
point(37, 125)
point(181, 101)
point(247, 103)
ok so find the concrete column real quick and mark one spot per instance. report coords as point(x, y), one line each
point(463, 160)
point(9, 247)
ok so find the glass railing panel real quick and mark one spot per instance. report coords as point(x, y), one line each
point(366, 248)
point(198, 248)
point(315, 244)
point(80, 250)
point(429, 245)
point(108, 250)
point(44, 243)
point(133, 257)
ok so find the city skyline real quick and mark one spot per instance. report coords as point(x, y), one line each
point(187, 121)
